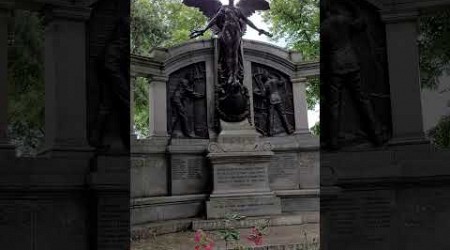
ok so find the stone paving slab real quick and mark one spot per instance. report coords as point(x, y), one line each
point(279, 237)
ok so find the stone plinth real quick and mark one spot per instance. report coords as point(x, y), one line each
point(240, 163)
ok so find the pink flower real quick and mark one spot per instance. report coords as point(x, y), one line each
point(255, 236)
point(197, 247)
point(198, 236)
point(209, 247)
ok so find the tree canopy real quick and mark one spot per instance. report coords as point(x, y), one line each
point(26, 82)
point(434, 47)
point(297, 22)
point(163, 23)
point(157, 23)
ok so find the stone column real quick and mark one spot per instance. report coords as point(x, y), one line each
point(248, 82)
point(404, 76)
point(65, 79)
point(210, 92)
point(300, 105)
point(157, 106)
point(132, 90)
point(3, 78)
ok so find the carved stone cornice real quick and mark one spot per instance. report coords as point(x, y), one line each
point(399, 16)
point(73, 13)
point(308, 69)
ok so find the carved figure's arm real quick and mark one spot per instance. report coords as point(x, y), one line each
point(252, 25)
point(200, 32)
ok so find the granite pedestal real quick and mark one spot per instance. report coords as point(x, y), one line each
point(240, 163)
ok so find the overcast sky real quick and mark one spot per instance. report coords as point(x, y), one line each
point(313, 115)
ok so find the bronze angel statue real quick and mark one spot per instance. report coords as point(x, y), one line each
point(229, 23)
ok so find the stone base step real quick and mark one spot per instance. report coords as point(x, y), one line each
point(278, 238)
point(248, 222)
point(146, 231)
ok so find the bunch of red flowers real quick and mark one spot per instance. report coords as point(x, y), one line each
point(203, 242)
point(256, 236)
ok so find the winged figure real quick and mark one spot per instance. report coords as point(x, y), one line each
point(229, 23)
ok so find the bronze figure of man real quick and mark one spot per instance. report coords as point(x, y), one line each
point(342, 69)
point(183, 92)
point(275, 103)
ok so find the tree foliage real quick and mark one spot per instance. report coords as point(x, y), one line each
point(440, 134)
point(158, 23)
point(26, 82)
point(434, 50)
point(161, 23)
point(434, 47)
point(298, 22)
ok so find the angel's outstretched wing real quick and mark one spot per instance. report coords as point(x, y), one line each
point(208, 7)
point(249, 7)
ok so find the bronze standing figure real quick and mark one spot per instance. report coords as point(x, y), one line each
point(229, 23)
point(270, 91)
point(342, 69)
point(183, 93)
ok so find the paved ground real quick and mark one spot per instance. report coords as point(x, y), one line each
point(283, 235)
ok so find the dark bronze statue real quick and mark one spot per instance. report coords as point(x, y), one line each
point(341, 69)
point(229, 23)
point(183, 92)
point(275, 103)
point(111, 131)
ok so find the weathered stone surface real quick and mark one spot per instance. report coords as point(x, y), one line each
point(309, 171)
point(249, 222)
point(240, 164)
point(148, 176)
point(234, 178)
point(44, 221)
point(155, 209)
point(284, 171)
point(300, 204)
point(189, 174)
point(254, 205)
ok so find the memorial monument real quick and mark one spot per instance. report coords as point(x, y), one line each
point(239, 160)
point(228, 130)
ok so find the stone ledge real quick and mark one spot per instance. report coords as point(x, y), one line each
point(280, 237)
point(248, 222)
point(164, 200)
point(299, 192)
point(145, 231)
point(187, 146)
point(160, 209)
point(42, 182)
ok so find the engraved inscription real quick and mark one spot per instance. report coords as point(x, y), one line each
point(283, 170)
point(239, 207)
point(184, 169)
point(284, 165)
point(245, 206)
point(241, 176)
